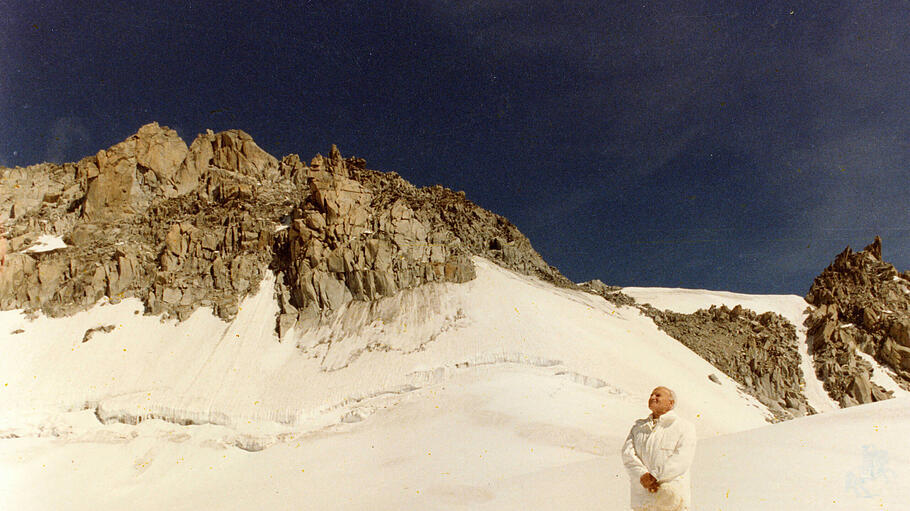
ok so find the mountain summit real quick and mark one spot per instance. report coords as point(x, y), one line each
point(181, 227)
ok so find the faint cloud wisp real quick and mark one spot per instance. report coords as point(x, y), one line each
point(66, 136)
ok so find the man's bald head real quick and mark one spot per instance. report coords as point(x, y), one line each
point(661, 401)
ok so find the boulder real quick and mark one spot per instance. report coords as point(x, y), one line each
point(861, 389)
point(172, 296)
point(285, 323)
point(123, 274)
point(235, 150)
point(332, 292)
point(116, 185)
point(899, 330)
point(199, 156)
point(175, 242)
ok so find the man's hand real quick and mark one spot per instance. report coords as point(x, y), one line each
point(649, 482)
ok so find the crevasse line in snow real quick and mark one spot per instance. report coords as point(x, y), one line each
point(133, 413)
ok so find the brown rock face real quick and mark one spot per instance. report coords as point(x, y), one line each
point(182, 227)
point(123, 179)
point(115, 191)
point(358, 237)
point(161, 151)
point(863, 303)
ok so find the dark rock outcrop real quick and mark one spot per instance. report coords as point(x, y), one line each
point(612, 294)
point(862, 303)
point(182, 227)
point(758, 351)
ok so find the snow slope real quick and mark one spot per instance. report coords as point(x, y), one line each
point(852, 459)
point(206, 371)
point(501, 393)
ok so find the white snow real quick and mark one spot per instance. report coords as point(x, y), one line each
point(883, 375)
point(501, 393)
point(852, 459)
point(687, 301)
point(205, 370)
point(504, 438)
point(47, 243)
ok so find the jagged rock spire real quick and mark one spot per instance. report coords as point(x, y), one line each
point(863, 303)
point(875, 248)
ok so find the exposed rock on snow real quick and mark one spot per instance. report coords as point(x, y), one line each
point(91, 331)
point(759, 351)
point(862, 304)
point(612, 294)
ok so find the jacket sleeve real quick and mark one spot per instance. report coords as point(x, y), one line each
point(681, 458)
point(633, 463)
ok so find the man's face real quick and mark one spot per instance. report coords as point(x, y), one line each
point(660, 401)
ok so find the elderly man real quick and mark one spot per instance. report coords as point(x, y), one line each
point(657, 453)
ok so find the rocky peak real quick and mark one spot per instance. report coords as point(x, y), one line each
point(862, 304)
point(155, 162)
point(123, 179)
point(182, 227)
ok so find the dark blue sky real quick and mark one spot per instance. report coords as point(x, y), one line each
point(728, 145)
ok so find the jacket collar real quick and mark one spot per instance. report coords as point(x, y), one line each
point(665, 419)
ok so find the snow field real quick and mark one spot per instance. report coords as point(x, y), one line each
point(504, 437)
point(501, 393)
point(206, 371)
point(852, 459)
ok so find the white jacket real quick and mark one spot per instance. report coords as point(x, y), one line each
point(665, 449)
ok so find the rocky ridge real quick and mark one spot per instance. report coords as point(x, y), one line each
point(182, 227)
point(862, 305)
point(612, 294)
point(758, 351)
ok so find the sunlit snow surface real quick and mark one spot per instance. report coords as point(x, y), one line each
point(47, 243)
point(501, 393)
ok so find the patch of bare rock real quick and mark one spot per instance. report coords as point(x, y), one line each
point(612, 294)
point(758, 351)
